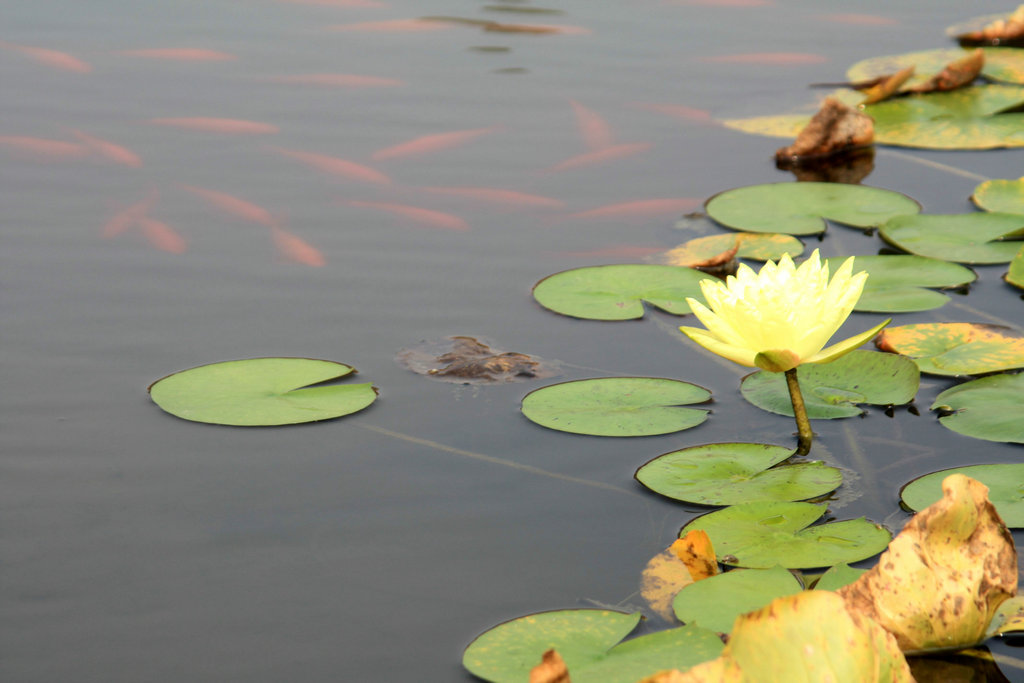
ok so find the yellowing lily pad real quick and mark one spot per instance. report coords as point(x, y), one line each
point(617, 406)
point(989, 408)
point(963, 238)
point(715, 250)
point(801, 208)
point(618, 292)
point(896, 284)
point(729, 473)
point(586, 641)
point(779, 126)
point(1002, 196)
point(765, 534)
point(956, 348)
point(833, 390)
point(262, 392)
point(715, 602)
point(1005, 65)
point(1005, 484)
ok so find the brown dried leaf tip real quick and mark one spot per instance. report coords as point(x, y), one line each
point(957, 74)
point(551, 669)
point(835, 128)
point(1000, 32)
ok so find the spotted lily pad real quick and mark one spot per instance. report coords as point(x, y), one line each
point(618, 292)
point(765, 534)
point(617, 406)
point(1002, 196)
point(989, 408)
point(896, 284)
point(963, 238)
point(956, 348)
point(834, 390)
point(1005, 65)
point(714, 250)
point(1005, 484)
point(715, 602)
point(587, 642)
point(801, 208)
point(261, 392)
point(729, 473)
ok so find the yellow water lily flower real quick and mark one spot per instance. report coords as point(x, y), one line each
point(781, 317)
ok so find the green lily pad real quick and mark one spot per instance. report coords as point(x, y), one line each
point(896, 284)
point(833, 390)
point(1005, 484)
point(1009, 618)
point(618, 292)
point(956, 348)
point(801, 208)
point(1001, 196)
point(1015, 275)
point(988, 408)
point(716, 601)
point(586, 641)
point(262, 392)
point(837, 577)
point(617, 406)
point(963, 238)
point(765, 534)
point(1002, 64)
point(729, 473)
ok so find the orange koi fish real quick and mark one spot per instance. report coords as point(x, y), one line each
point(215, 125)
point(596, 132)
point(234, 206)
point(427, 217)
point(642, 207)
point(335, 166)
point(180, 54)
point(773, 58)
point(496, 196)
point(722, 3)
point(43, 149)
point(338, 3)
point(601, 156)
point(129, 216)
point(163, 236)
point(861, 19)
point(392, 26)
point(338, 80)
point(431, 143)
point(109, 150)
point(58, 60)
point(294, 248)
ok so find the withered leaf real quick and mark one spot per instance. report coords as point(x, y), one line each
point(688, 559)
point(835, 128)
point(467, 360)
point(1009, 29)
point(887, 87)
point(944, 576)
point(957, 74)
point(551, 669)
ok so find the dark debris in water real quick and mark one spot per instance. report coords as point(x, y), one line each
point(468, 360)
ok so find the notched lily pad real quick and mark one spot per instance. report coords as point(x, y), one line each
point(468, 360)
point(618, 292)
point(730, 473)
point(1001, 196)
point(956, 348)
point(801, 208)
point(617, 406)
point(1005, 484)
point(834, 390)
point(765, 534)
point(989, 408)
point(964, 238)
point(262, 392)
point(896, 284)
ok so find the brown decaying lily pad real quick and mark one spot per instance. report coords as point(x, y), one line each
point(467, 360)
point(835, 128)
point(957, 74)
point(1006, 31)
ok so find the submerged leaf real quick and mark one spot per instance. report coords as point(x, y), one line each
point(988, 408)
point(944, 576)
point(467, 360)
point(956, 348)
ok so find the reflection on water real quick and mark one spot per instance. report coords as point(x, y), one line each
point(184, 183)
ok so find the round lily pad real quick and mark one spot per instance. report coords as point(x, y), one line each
point(896, 284)
point(586, 640)
point(765, 534)
point(989, 408)
point(1005, 484)
point(801, 208)
point(618, 292)
point(262, 392)
point(963, 238)
point(730, 473)
point(716, 601)
point(1001, 196)
point(833, 390)
point(956, 348)
point(617, 406)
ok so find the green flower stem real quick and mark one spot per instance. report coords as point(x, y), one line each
point(803, 425)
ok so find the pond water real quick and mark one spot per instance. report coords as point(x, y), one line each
point(140, 547)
